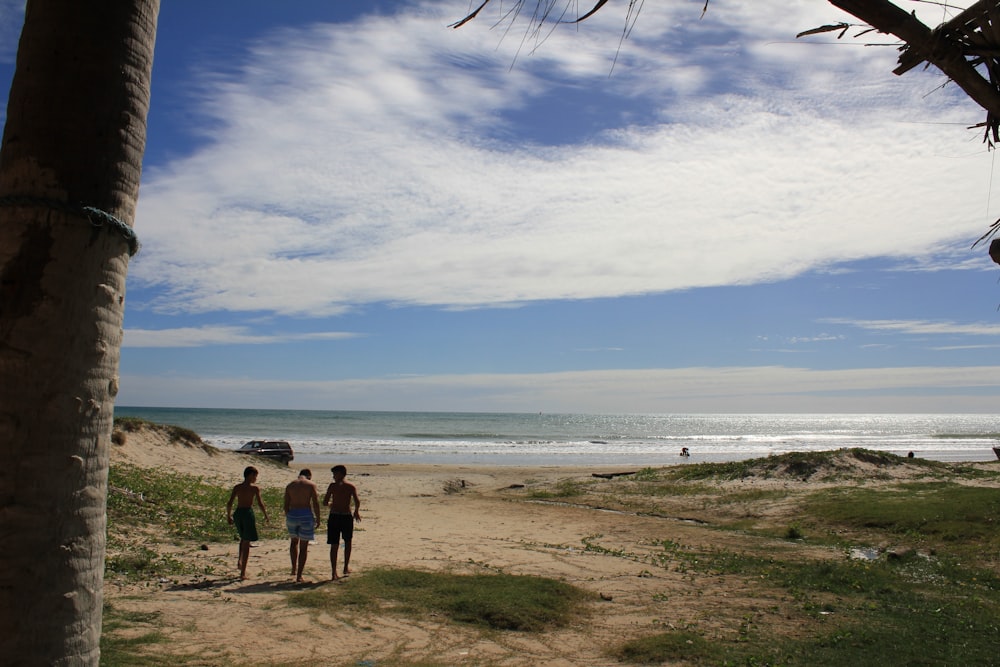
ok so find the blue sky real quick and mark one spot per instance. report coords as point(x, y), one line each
point(348, 205)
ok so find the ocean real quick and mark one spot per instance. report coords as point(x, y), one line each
point(577, 439)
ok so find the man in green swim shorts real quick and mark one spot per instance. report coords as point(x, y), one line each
point(243, 518)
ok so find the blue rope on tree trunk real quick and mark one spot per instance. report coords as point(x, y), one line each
point(96, 216)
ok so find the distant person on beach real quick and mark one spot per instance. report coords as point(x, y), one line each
point(341, 522)
point(685, 452)
point(245, 493)
point(301, 518)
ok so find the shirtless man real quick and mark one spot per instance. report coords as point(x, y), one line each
point(245, 494)
point(301, 519)
point(339, 496)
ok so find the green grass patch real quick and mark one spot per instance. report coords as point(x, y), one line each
point(175, 506)
point(668, 647)
point(495, 601)
point(873, 613)
point(939, 514)
point(912, 610)
point(646, 494)
point(646, 475)
point(564, 488)
point(660, 488)
point(936, 605)
point(140, 562)
point(184, 506)
point(124, 649)
point(714, 494)
point(795, 464)
point(794, 532)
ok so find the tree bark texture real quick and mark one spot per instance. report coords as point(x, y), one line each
point(74, 136)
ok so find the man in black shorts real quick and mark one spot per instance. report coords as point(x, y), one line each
point(341, 523)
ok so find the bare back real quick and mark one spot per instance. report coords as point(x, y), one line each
point(338, 497)
point(301, 494)
point(245, 494)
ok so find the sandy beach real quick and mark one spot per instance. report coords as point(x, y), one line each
point(461, 519)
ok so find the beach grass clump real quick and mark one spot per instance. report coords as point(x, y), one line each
point(646, 475)
point(682, 647)
point(495, 601)
point(124, 649)
point(182, 434)
point(137, 561)
point(133, 424)
point(794, 532)
point(729, 470)
point(174, 433)
point(564, 488)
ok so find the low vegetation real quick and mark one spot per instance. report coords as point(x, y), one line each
point(907, 611)
point(122, 650)
point(145, 505)
point(126, 425)
point(803, 466)
point(922, 587)
point(494, 601)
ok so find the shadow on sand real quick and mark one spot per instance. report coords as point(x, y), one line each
point(247, 586)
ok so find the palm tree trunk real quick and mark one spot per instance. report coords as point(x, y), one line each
point(74, 138)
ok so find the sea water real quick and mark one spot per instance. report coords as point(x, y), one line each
point(578, 439)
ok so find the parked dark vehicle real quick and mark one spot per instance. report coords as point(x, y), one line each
point(279, 450)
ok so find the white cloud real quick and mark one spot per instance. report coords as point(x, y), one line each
point(819, 338)
point(743, 389)
point(380, 162)
point(923, 327)
point(218, 335)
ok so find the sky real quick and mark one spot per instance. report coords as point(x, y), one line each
point(351, 206)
